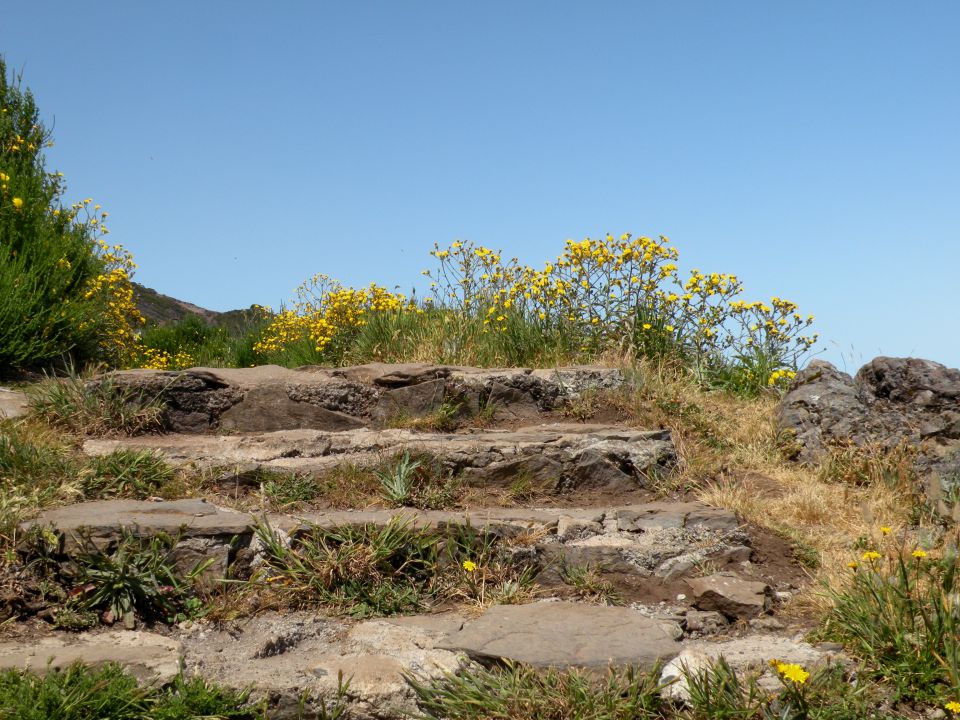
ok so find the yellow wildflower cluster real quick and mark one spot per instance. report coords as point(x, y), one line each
point(791, 671)
point(119, 321)
point(154, 359)
point(324, 309)
point(778, 377)
point(598, 293)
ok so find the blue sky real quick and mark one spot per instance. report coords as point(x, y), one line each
point(811, 148)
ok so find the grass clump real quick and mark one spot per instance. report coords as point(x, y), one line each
point(79, 692)
point(589, 584)
point(518, 692)
point(416, 482)
point(393, 569)
point(96, 407)
point(899, 610)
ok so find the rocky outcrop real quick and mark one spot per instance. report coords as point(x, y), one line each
point(890, 402)
point(268, 398)
point(556, 456)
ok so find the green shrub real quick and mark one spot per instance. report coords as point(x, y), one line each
point(63, 291)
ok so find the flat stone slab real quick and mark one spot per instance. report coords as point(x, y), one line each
point(149, 657)
point(557, 456)
point(13, 404)
point(561, 634)
point(105, 519)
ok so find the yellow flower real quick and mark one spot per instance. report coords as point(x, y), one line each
point(870, 556)
point(919, 554)
point(853, 564)
point(469, 565)
point(793, 672)
point(953, 706)
point(18, 203)
point(885, 530)
point(647, 326)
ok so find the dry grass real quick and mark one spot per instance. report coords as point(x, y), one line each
point(732, 457)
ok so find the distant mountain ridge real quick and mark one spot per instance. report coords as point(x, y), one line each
point(162, 309)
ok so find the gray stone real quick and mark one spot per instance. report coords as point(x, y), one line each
point(704, 621)
point(102, 521)
point(743, 655)
point(13, 404)
point(410, 401)
point(149, 657)
point(269, 407)
point(890, 402)
point(731, 595)
point(269, 397)
point(561, 634)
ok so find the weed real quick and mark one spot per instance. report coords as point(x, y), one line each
point(589, 584)
point(899, 611)
point(397, 482)
point(126, 473)
point(92, 407)
point(288, 490)
point(135, 578)
point(417, 482)
point(363, 571)
point(518, 692)
point(717, 693)
point(870, 465)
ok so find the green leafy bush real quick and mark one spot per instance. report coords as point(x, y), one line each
point(63, 290)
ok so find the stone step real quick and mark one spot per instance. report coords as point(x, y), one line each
point(290, 657)
point(555, 457)
point(269, 397)
point(654, 540)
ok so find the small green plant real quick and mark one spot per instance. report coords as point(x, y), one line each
point(518, 692)
point(397, 482)
point(135, 578)
point(92, 407)
point(717, 693)
point(289, 490)
point(589, 584)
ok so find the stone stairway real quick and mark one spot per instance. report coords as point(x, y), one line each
point(683, 571)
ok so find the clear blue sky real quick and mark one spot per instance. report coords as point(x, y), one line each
point(812, 148)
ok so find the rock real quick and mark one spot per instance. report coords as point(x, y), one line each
point(269, 407)
point(13, 404)
point(549, 455)
point(149, 657)
point(704, 621)
point(102, 521)
point(743, 655)
point(575, 528)
point(269, 398)
point(297, 657)
point(890, 402)
point(411, 401)
point(731, 595)
point(561, 634)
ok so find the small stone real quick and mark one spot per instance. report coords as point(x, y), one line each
point(731, 595)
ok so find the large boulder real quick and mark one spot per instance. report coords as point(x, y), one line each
point(890, 402)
